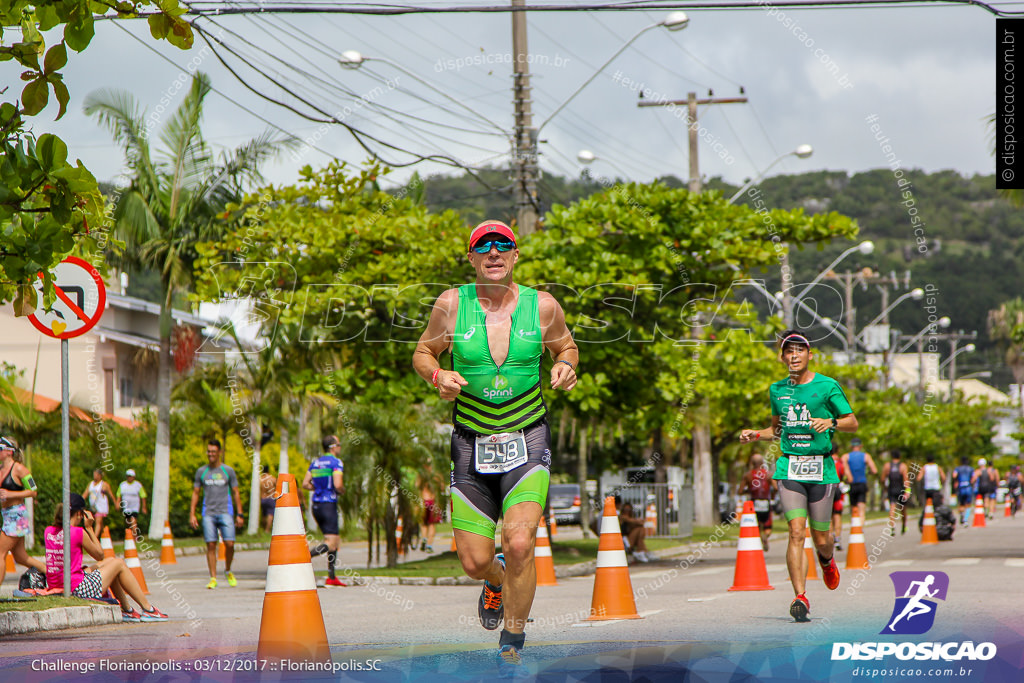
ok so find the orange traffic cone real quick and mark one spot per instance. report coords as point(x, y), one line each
point(928, 534)
point(613, 591)
point(167, 546)
point(542, 557)
point(398, 537)
point(107, 543)
point(131, 559)
point(979, 512)
point(812, 572)
point(856, 550)
point(553, 527)
point(739, 510)
point(751, 571)
point(292, 625)
point(220, 552)
point(9, 564)
point(1007, 512)
point(651, 521)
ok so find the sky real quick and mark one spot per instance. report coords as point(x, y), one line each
point(926, 75)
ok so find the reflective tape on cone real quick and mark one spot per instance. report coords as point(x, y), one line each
point(292, 622)
point(809, 552)
point(856, 551)
point(131, 560)
point(544, 564)
point(751, 571)
point(107, 544)
point(613, 590)
point(929, 534)
point(979, 512)
point(167, 546)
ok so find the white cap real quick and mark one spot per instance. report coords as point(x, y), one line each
point(130, 473)
point(982, 462)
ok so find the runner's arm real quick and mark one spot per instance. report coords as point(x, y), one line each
point(193, 522)
point(307, 481)
point(748, 435)
point(558, 341)
point(434, 341)
point(338, 486)
point(27, 481)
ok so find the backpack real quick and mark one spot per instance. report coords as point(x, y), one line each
point(945, 523)
point(33, 578)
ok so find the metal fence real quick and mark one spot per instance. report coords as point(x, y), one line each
point(672, 506)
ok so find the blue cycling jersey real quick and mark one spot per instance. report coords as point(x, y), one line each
point(323, 469)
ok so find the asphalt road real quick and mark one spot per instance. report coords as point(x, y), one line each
point(691, 622)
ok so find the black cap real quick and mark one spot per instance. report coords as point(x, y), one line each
point(76, 503)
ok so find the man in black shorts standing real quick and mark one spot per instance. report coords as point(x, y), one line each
point(759, 485)
point(497, 331)
point(807, 408)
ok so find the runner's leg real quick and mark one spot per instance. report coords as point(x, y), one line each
point(795, 505)
point(518, 537)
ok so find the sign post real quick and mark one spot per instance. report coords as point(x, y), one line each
point(81, 299)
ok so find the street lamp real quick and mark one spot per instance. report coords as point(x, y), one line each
point(952, 368)
point(865, 248)
point(353, 59)
point(965, 349)
point(675, 21)
point(801, 152)
point(916, 294)
point(942, 322)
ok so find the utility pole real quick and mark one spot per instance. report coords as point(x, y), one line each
point(850, 279)
point(524, 153)
point(691, 103)
point(954, 341)
point(704, 489)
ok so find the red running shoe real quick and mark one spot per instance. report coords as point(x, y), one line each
point(799, 608)
point(831, 574)
point(334, 582)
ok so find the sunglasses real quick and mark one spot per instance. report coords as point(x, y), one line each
point(500, 245)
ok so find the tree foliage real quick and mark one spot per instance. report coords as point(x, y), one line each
point(47, 202)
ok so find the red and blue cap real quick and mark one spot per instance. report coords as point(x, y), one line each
point(491, 228)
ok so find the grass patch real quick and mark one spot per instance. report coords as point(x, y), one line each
point(40, 604)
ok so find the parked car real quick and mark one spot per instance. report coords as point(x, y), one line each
point(564, 500)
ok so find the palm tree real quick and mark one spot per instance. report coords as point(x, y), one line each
point(392, 445)
point(1006, 328)
point(170, 206)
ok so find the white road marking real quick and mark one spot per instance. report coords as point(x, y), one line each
point(1015, 562)
point(614, 621)
point(896, 563)
point(963, 560)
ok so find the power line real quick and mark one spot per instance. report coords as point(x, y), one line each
point(642, 5)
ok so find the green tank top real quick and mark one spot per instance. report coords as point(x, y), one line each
point(498, 399)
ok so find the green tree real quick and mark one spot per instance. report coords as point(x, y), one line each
point(171, 205)
point(46, 203)
point(1006, 328)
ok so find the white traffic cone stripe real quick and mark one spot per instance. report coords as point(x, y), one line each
point(542, 532)
point(749, 544)
point(129, 544)
point(929, 521)
point(542, 551)
point(610, 525)
point(106, 543)
point(132, 562)
point(856, 521)
point(807, 541)
point(748, 520)
point(611, 558)
point(288, 578)
point(288, 522)
point(856, 538)
point(167, 542)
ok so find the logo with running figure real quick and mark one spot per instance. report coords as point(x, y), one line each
point(916, 595)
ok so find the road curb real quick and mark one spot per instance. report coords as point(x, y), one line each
point(58, 618)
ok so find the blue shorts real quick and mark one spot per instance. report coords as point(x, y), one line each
point(964, 497)
point(223, 522)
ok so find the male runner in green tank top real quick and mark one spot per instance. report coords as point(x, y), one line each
point(496, 332)
point(807, 408)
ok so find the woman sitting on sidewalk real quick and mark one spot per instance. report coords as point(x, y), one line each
point(106, 573)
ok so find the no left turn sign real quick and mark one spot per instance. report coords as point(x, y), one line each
point(81, 298)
